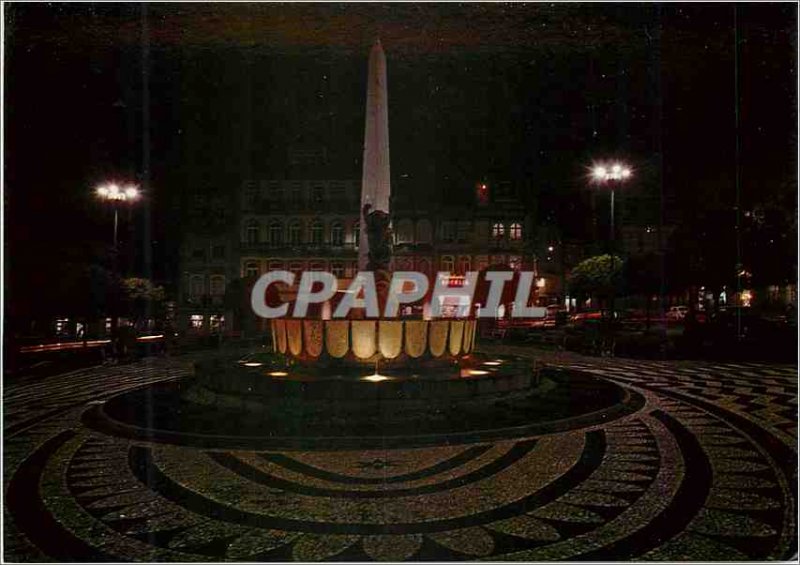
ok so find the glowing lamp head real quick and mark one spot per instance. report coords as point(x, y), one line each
point(131, 192)
point(599, 173)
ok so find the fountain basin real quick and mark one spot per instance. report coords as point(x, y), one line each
point(341, 388)
point(392, 342)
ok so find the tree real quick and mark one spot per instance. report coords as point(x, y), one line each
point(599, 276)
point(144, 299)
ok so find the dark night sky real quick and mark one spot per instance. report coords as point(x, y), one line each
point(199, 97)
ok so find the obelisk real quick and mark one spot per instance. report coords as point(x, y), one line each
point(375, 185)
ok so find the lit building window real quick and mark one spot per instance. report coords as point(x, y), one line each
point(337, 233)
point(295, 230)
point(515, 262)
point(498, 230)
point(464, 264)
point(216, 322)
point(447, 263)
point(251, 232)
point(356, 233)
point(251, 269)
point(316, 232)
point(196, 321)
point(275, 234)
point(515, 231)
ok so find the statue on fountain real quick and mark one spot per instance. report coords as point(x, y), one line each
point(379, 238)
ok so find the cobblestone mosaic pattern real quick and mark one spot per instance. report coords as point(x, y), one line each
point(704, 470)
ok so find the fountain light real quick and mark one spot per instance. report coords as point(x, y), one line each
point(253, 364)
point(376, 378)
point(493, 363)
point(473, 373)
point(278, 374)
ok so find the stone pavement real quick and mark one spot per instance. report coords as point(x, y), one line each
point(704, 470)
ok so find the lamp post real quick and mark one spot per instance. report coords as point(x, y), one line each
point(611, 175)
point(114, 193)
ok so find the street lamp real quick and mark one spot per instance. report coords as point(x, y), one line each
point(115, 193)
point(611, 175)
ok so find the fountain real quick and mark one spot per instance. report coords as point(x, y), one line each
point(362, 379)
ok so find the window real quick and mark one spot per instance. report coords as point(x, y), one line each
point(405, 231)
point(295, 230)
point(447, 263)
point(448, 231)
point(216, 322)
point(275, 191)
point(337, 233)
point(316, 232)
point(217, 285)
point(423, 266)
point(275, 266)
point(317, 266)
point(356, 234)
point(317, 194)
point(515, 262)
point(498, 230)
point(199, 253)
point(464, 264)
point(251, 232)
point(250, 197)
point(337, 191)
point(218, 252)
point(196, 286)
point(297, 194)
point(296, 268)
point(196, 321)
point(424, 231)
point(515, 231)
point(464, 230)
point(337, 269)
point(275, 234)
point(251, 269)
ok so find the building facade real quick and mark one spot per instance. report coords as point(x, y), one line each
point(313, 225)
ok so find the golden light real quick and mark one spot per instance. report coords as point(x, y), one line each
point(278, 374)
point(473, 373)
point(376, 378)
point(253, 364)
point(493, 363)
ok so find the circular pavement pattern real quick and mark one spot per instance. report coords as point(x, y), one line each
point(703, 468)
